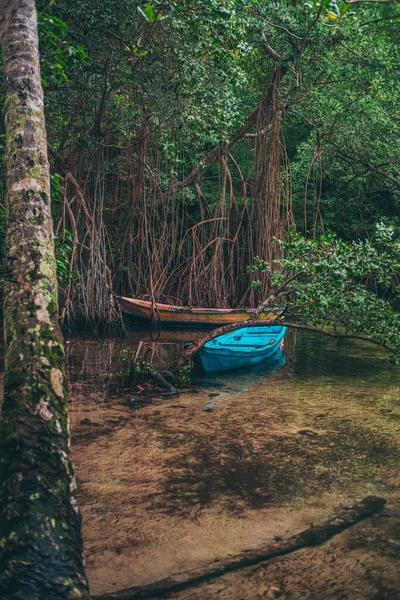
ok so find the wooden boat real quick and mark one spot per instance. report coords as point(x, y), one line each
point(180, 316)
point(242, 348)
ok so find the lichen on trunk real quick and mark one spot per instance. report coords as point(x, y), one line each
point(40, 539)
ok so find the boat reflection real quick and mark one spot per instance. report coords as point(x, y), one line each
point(240, 381)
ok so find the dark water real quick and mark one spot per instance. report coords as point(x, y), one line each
point(311, 360)
point(166, 486)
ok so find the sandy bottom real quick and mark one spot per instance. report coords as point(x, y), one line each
point(168, 487)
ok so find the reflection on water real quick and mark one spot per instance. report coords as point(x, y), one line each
point(179, 486)
point(241, 380)
point(308, 356)
point(95, 361)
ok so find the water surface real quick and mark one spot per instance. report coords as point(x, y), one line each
point(165, 485)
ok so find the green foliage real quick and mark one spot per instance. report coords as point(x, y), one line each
point(63, 250)
point(178, 66)
point(261, 266)
point(348, 287)
point(190, 72)
point(56, 186)
point(348, 165)
point(133, 373)
point(59, 56)
point(150, 14)
point(2, 239)
point(183, 377)
point(185, 75)
point(142, 368)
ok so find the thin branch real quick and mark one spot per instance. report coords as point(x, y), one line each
point(274, 25)
point(213, 156)
point(196, 346)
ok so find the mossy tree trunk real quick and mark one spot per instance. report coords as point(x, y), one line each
point(40, 539)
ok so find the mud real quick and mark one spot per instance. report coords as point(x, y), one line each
point(167, 487)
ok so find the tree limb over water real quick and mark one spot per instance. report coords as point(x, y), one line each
point(336, 288)
point(195, 347)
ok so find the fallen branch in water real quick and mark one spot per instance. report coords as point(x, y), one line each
point(272, 300)
point(195, 347)
point(310, 537)
point(162, 381)
point(154, 374)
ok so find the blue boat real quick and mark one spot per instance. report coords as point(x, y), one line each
point(240, 349)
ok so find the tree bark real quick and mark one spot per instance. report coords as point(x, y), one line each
point(40, 538)
point(6, 13)
point(209, 159)
point(186, 356)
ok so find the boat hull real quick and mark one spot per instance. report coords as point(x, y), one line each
point(181, 316)
point(241, 349)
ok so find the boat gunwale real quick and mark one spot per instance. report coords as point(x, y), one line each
point(239, 351)
point(147, 305)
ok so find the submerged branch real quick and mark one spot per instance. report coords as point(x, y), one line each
point(195, 347)
point(162, 381)
point(309, 537)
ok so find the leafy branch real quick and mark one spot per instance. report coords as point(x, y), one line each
point(332, 287)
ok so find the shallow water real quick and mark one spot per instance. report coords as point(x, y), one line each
point(166, 486)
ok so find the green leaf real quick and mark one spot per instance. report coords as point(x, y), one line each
point(344, 8)
point(143, 13)
point(149, 12)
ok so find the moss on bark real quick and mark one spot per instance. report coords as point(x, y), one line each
point(40, 539)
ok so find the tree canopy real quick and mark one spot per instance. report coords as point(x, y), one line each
point(186, 136)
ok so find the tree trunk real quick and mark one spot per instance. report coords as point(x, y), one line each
point(6, 13)
point(40, 539)
point(209, 159)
